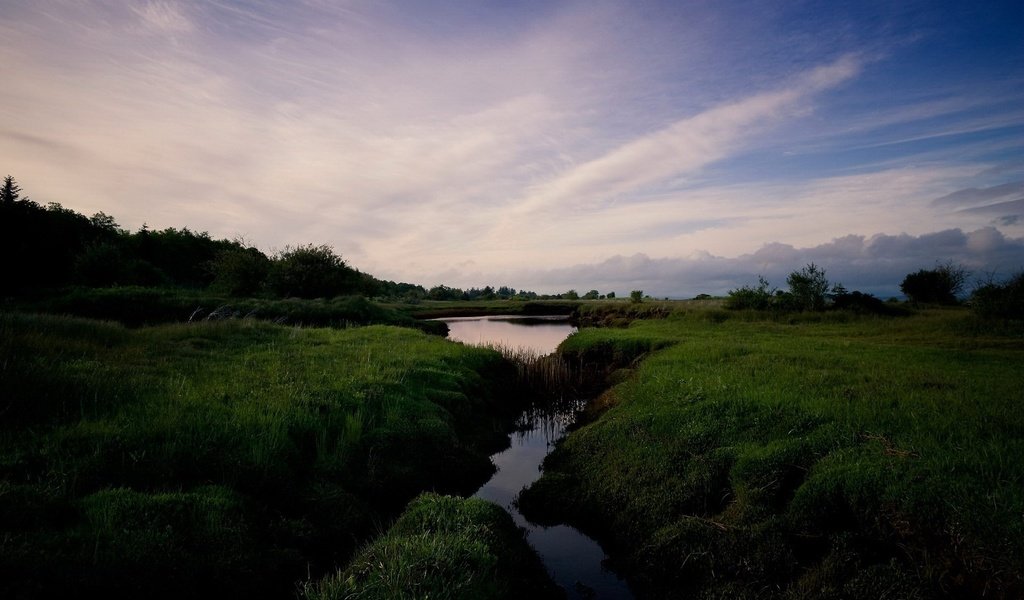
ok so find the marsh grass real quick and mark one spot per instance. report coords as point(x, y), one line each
point(789, 458)
point(442, 547)
point(139, 306)
point(544, 377)
point(254, 454)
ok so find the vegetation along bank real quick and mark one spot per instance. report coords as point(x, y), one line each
point(803, 455)
point(226, 458)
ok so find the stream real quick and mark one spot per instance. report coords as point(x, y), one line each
point(575, 561)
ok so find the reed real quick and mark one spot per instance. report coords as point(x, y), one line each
point(544, 377)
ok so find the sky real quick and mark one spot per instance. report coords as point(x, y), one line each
point(677, 147)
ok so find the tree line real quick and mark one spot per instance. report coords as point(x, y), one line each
point(810, 290)
point(48, 247)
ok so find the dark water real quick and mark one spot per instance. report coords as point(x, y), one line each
point(575, 561)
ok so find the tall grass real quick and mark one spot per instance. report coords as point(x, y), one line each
point(543, 377)
point(818, 458)
point(251, 453)
point(442, 547)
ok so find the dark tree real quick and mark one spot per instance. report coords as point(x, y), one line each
point(10, 192)
point(1004, 300)
point(311, 272)
point(808, 288)
point(239, 271)
point(940, 285)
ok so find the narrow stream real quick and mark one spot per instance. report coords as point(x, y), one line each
point(575, 562)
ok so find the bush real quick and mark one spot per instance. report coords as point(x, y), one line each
point(862, 303)
point(1000, 300)
point(808, 287)
point(755, 298)
point(636, 296)
point(239, 271)
point(940, 285)
point(311, 272)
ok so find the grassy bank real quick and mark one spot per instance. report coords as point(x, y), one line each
point(139, 306)
point(443, 547)
point(439, 309)
point(223, 457)
point(821, 456)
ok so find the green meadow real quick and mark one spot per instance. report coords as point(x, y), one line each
point(727, 454)
point(828, 455)
point(231, 457)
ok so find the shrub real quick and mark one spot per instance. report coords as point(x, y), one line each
point(311, 272)
point(940, 285)
point(1000, 300)
point(748, 297)
point(636, 296)
point(239, 271)
point(808, 288)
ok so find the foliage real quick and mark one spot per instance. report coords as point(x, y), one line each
point(940, 285)
point(239, 271)
point(136, 306)
point(751, 298)
point(808, 288)
point(861, 303)
point(181, 255)
point(310, 272)
point(833, 458)
point(443, 547)
point(106, 264)
point(636, 296)
point(10, 192)
point(571, 295)
point(809, 291)
point(1003, 300)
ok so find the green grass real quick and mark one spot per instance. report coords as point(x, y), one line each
point(138, 306)
point(223, 457)
point(819, 456)
point(437, 309)
point(446, 548)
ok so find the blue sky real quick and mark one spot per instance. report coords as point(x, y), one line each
point(675, 147)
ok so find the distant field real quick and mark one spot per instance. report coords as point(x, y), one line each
point(805, 456)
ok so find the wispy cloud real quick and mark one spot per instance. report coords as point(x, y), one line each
point(681, 147)
point(450, 139)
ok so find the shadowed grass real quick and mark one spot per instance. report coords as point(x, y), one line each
point(223, 457)
point(443, 547)
point(779, 459)
point(138, 306)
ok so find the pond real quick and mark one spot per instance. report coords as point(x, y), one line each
point(575, 561)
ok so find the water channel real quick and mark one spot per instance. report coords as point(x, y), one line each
point(575, 562)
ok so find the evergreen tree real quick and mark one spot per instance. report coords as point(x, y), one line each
point(10, 192)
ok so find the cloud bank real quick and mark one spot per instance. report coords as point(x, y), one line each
point(875, 264)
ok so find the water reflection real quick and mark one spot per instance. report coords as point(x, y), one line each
point(575, 561)
point(540, 335)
